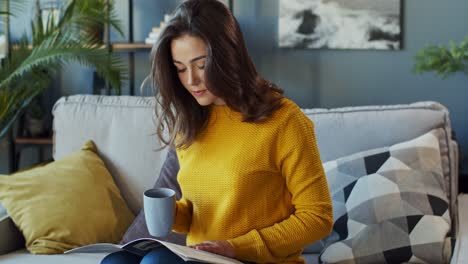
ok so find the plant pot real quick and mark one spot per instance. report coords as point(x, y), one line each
point(35, 127)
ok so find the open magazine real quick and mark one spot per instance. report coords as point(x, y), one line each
point(143, 246)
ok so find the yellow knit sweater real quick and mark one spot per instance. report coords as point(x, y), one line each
point(260, 186)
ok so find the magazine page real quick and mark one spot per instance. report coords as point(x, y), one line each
point(95, 248)
point(190, 254)
point(139, 247)
point(143, 246)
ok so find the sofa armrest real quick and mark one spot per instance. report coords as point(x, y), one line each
point(460, 253)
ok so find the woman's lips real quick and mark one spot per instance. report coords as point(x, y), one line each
point(198, 93)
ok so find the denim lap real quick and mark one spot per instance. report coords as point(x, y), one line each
point(163, 256)
point(121, 257)
point(157, 256)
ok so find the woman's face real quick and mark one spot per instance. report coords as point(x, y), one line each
point(189, 57)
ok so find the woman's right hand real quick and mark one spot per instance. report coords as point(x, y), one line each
point(220, 247)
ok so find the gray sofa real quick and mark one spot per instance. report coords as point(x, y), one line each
point(123, 130)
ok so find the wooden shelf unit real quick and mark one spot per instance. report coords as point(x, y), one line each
point(33, 140)
point(19, 143)
point(131, 47)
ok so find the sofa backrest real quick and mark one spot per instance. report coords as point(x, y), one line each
point(123, 129)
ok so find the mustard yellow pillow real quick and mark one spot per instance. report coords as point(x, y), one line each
point(67, 203)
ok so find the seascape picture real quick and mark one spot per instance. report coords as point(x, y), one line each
point(340, 24)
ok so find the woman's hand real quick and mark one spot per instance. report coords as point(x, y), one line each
point(220, 247)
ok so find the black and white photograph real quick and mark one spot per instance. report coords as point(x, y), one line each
point(340, 24)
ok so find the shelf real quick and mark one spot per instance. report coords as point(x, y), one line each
point(119, 47)
point(125, 47)
point(34, 141)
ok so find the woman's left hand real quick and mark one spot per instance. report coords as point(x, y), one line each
point(220, 247)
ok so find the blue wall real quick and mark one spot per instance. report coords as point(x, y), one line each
point(334, 78)
point(320, 78)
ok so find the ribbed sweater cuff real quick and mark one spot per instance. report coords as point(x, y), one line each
point(182, 219)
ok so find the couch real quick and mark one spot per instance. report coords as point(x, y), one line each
point(123, 129)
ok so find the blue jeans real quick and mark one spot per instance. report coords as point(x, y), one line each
point(157, 256)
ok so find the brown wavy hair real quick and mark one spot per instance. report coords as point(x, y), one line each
point(229, 73)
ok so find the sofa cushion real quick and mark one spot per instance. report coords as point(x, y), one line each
point(385, 200)
point(11, 238)
point(124, 129)
point(106, 119)
point(167, 179)
point(67, 203)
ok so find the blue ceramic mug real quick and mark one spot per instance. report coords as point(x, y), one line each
point(159, 206)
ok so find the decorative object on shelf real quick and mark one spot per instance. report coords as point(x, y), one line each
point(31, 65)
point(443, 60)
point(340, 24)
point(34, 121)
point(154, 34)
point(50, 11)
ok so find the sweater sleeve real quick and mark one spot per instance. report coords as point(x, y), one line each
point(299, 162)
point(183, 216)
point(184, 208)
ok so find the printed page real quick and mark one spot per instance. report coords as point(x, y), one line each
point(95, 248)
point(190, 254)
point(142, 246)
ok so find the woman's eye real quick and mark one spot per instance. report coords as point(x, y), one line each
point(201, 67)
point(180, 70)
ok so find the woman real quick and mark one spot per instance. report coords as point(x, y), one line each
point(250, 172)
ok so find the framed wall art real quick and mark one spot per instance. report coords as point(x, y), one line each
point(340, 24)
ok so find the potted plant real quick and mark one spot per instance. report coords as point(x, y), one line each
point(35, 123)
point(443, 60)
point(32, 64)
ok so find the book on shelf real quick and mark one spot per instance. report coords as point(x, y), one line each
point(143, 246)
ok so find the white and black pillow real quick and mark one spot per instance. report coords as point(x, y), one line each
point(389, 205)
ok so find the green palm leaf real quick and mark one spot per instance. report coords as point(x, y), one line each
point(29, 69)
point(57, 50)
point(13, 103)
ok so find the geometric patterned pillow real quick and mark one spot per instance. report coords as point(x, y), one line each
point(389, 205)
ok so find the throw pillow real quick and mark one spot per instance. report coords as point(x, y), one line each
point(389, 205)
point(167, 179)
point(67, 203)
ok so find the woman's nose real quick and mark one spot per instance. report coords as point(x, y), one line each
point(193, 78)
